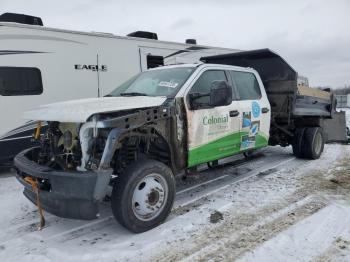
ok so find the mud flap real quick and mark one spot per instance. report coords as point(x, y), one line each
point(334, 129)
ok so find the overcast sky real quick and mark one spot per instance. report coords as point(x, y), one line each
point(312, 35)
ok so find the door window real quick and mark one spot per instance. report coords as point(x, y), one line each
point(203, 84)
point(246, 84)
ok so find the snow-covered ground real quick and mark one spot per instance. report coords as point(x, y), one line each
point(275, 208)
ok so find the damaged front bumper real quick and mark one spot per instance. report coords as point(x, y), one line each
point(69, 194)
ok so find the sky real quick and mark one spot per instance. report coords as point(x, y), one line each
point(312, 35)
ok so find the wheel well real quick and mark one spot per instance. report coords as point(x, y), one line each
point(139, 144)
point(283, 133)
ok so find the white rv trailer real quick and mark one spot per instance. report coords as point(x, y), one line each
point(41, 65)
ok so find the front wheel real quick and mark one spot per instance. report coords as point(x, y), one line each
point(143, 195)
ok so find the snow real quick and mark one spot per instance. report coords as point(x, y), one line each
point(275, 207)
point(305, 240)
point(347, 115)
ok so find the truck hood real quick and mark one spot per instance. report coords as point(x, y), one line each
point(78, 111)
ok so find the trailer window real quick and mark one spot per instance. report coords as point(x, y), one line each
point(154, 61)
point(20, 81)
point(247, 86)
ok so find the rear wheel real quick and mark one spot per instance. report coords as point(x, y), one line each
point(298, 142)
point(313, 143)
point(143, 196)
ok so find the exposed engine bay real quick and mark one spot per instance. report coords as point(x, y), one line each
point(60, 146)
point(108, 141)
point(61, 149)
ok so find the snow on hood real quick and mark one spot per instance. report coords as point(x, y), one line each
point(78, 111)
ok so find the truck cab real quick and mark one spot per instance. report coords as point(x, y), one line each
point(216, 130)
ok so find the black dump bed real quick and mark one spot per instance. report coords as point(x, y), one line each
point(280, 81)
point(292, 106)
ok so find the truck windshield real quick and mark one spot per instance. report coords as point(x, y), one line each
point(160, 82)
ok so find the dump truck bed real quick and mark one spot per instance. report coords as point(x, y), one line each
point(312, 102)
point(280, 81)
point(291, 105)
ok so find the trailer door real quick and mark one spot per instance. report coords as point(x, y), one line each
point(254, 109)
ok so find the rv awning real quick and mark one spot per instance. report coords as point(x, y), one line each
point(270, 66)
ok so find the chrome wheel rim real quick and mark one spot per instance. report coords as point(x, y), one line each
point(318, 143)
point(150, 197)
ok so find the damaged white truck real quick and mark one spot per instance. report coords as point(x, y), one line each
point(168, 120)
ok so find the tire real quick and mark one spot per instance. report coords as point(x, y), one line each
point(213, 164)
point(297, 142)
point(145, 185)
point(313, 143)
point(248, 154)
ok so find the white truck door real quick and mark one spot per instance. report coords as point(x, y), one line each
point(213, 133)
point(255, 110)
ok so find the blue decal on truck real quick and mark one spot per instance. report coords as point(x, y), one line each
point(255, 109)
point(247, 119)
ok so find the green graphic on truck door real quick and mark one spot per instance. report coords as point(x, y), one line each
point(222, 131)
point(219, 135)
point(224, 147)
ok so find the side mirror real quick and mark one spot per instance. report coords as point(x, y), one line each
point(220, 93)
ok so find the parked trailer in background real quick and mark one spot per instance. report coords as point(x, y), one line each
point(41, 65)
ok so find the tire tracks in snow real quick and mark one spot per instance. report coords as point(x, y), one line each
point(235, 245)
point(241, 233)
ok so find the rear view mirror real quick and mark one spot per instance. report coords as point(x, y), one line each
point(220, 93)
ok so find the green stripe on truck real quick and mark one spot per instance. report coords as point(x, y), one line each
point(222, 147)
